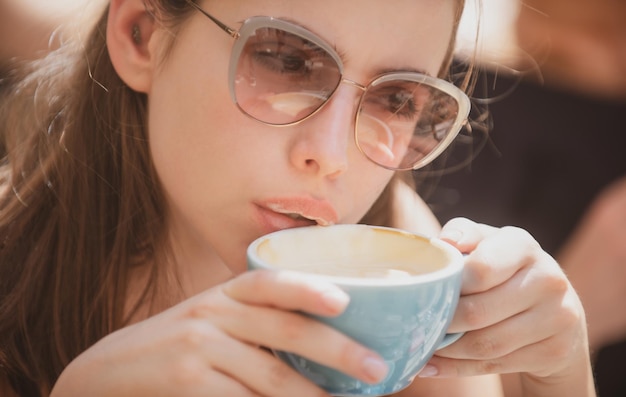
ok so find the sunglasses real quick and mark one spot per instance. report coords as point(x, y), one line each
point(282, 74)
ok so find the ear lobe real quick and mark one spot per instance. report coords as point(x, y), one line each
point(130, 28)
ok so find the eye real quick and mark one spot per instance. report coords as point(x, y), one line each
point(402, 103)
point(281, 52)
point(395, 100)
point(438, 117)
point(281, 58)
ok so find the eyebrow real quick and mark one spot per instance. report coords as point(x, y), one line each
point(400, 70)
point(344, 57)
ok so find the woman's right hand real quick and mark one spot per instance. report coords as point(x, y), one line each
point(209, 344)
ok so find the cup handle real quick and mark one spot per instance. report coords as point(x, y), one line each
point(449, 339)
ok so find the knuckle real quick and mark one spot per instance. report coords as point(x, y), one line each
point(480, 270)
point(196, 334)
point(527, 244)
point(186, 371)
point(485, 347)
point(553, 282)
point(560, 351)
point(346, 354)
point(473, 312)
point(570, 315)
point(292, 327)
point(520, 235)
point(491, 367)
point(207, 308)
point(278, 374)
point(259, 279)
point(558, 284)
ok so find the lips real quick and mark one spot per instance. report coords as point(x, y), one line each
point(284, 213)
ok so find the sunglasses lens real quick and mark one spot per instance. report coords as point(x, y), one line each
point(284, 75)
point(282, 78)
point(400, 122)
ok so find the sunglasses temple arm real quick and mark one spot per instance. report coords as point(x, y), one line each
point(232, 32)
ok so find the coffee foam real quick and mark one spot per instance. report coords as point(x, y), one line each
point(353, 252)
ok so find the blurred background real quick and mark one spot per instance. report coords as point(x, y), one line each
point(25, 25)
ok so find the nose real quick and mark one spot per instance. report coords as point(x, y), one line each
point(324, 143)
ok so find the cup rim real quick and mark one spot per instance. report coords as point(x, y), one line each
point(454, 266)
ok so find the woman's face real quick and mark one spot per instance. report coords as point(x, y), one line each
point(228, 178)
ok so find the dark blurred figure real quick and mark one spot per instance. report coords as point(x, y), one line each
point(555, 163)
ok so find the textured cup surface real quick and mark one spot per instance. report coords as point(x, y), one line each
point(403, 290)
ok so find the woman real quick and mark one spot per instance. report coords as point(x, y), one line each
point(151, 163)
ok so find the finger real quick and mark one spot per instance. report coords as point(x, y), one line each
point(258, 371)
point(220, 384)
point(554, 322)
point(481, 310)
point(265, 320)
point(530, 286)
point(498, 257)
point(294, 332)
point(522, 360)
point(503, 338)
point(465, 234)
point(184, 363)
point(289, 291)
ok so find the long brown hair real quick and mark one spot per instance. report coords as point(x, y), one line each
point(80, 206)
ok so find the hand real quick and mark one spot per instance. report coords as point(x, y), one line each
point(518, 310)
point(594, 259)
point(208, 345)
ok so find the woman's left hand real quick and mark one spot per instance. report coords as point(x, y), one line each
point(517, 309)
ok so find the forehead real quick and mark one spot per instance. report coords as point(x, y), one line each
point(370, 35)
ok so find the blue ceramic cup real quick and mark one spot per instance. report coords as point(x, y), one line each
point(403, 290)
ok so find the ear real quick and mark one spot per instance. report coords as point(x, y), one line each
point(130, 28)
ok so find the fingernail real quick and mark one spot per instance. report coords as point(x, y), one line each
point(428, 371)
point(375, 369)
point(336, 300)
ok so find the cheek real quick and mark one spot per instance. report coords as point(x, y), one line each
point(367, 188)
point(177, 140)
point(188, 127)
point(189, 108)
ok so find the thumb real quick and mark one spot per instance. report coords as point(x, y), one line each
point(465, 234)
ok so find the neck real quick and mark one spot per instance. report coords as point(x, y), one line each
point(187, 267)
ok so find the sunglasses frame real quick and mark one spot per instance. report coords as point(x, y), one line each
point(250, 25)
